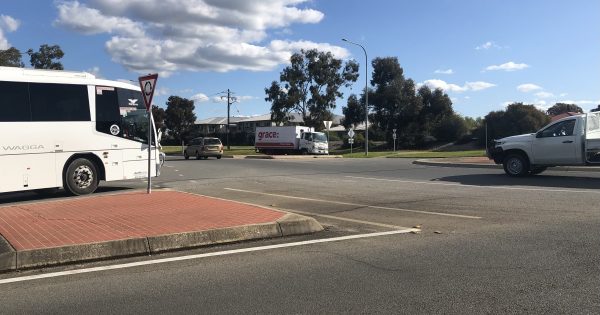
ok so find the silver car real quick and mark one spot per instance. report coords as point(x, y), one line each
point(203, 147)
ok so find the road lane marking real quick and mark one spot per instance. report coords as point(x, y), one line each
point(357, 204)
point(396, 227)
point(199, 256)
point(473, 186)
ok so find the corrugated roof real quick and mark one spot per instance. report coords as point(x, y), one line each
point(218, 121)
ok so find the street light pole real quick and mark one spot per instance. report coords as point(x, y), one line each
point(366, 96)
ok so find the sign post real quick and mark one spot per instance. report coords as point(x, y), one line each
point(327, 124)
point(351, 139)
point(394, 136)
point(147, 84)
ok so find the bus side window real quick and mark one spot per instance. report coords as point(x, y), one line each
point(107, 111)
point(14, 102)
point(59, 102)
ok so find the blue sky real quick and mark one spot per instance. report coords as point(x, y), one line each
point(484, 53)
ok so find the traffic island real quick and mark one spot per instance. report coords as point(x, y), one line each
point(108, 226)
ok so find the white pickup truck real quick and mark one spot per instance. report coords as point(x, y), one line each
point(573, 140)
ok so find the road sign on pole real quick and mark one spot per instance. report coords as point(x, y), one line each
point(147, 85)
point(351, 133)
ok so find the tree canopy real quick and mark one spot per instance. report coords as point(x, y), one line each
point(11, 58)
point(415, 114)
point(179, 116)
point(159, 116)
point(47, 57)
point(561, 108)
point(354, 111)
point(310, 86)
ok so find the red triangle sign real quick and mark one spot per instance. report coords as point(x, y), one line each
point(147, 84)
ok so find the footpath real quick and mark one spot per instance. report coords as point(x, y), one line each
point(97, 227)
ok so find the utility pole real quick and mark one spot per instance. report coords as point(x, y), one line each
point(230, 100)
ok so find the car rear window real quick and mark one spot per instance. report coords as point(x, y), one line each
point(211, 141)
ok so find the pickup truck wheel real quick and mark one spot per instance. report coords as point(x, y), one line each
point(537, 170)
point(198, 156)
point(516, 165)
point(185, 155)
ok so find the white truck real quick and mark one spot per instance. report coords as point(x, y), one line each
point(569, 141)
point(290, 139)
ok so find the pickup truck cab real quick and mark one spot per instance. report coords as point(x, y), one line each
point(569, 141)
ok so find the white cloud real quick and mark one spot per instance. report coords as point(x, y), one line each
point(7, 24)
point(489, 45)
point(449, 87)
point(444, 71)
point(478, 86)
point(194, 35)
point(580, 102)
point(544, 94)
point(528, 87)
point(245, 98)
point(162, 91)
point(485, 46)
point(200, 98)
point(95, 71)
point(3, 41)
point(509, 66)
point(79, 18)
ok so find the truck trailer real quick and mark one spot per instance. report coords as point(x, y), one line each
point(290, 140)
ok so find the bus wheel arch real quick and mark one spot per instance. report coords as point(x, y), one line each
point(76, 171)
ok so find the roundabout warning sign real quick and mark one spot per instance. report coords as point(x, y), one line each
point(147, 84)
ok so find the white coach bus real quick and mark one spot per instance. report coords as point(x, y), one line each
point(71, 130)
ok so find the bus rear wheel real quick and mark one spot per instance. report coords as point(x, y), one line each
point(81, 177)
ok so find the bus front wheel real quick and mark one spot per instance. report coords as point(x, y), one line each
point(81, 177)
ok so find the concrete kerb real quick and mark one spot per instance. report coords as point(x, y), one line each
point(289, 224)
point(8, 256)
point(446, 163)
point(442, 162)
point(81, 252)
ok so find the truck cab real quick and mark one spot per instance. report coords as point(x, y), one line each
point(313, 143)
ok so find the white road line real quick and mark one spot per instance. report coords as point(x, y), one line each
point(345, 219)
point(358, 204)
point(475, 186)
point(198, 256)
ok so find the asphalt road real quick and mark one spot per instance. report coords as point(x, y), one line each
point(489, 244)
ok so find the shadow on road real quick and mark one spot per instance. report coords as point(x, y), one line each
point(549, 181)
point(49, 195)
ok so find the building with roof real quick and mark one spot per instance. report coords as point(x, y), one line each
point(216, 125)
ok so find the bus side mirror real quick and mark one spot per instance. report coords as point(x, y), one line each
point(159, 136)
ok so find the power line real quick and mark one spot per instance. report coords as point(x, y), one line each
point(230, 100)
